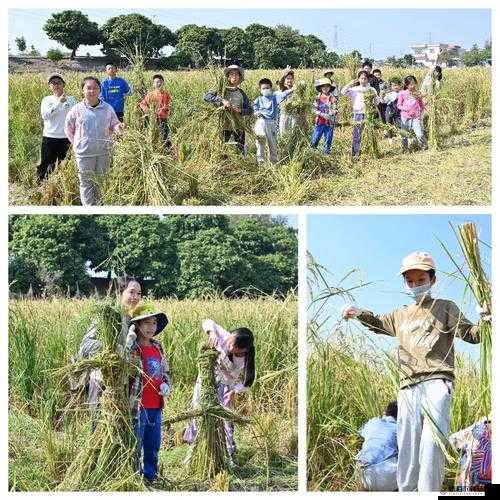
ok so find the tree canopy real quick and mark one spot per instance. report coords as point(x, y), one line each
point(72, 28)
point(184, 256)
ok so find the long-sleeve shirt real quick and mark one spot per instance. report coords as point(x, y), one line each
point(54, 114)
point(324, 108)
point(113, 91)
point(228, 371)
point(411, 107)
point(380, 440)
point(268, 107)
point(425, 333)
point(357, 95)
point(89, 128)
point(236, 97)
point(160, 100)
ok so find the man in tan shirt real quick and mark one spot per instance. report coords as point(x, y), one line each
point(425, 332)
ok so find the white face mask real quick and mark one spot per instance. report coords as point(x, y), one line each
point(266, 92)
point(419, 292)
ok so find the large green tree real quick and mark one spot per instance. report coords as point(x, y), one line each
point(126, 34)
point(196, 44)
point(72, 28)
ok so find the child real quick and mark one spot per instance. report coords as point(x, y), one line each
point(89, 125)
point(325, 111)
point(266, 110)
point(114, 89)
point(288, 122)
point(411, 105)
point(432, 81)
point(356, 90)
point(381, 87)
point(150, 386)
point(236, 361)
point(390, 98)
point(377, 461)
point(54, 109)
point(425, 332)
point(236, 101)
point(160, 100)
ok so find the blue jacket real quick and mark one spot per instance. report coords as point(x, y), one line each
point(380, 443)
point(267, 107)
point(113, 92)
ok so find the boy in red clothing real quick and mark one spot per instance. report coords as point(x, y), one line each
point(149, 386)
point(160, 101)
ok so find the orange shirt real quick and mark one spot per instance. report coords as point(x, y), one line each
point(160, 100)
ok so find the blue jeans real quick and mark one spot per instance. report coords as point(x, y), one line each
point(357, 132)
point(320, 131)
point(414, 124)
point(148, 431)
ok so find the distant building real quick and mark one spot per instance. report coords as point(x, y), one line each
point(426, 53)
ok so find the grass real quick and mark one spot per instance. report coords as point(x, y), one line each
point(199, 170)
point(47, 425)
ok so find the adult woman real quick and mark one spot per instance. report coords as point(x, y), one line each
point(130, 291)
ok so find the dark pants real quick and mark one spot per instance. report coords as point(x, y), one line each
point(382, 107)
point(120, 114)
point(239, 137)
point(53, 150)
point(148, 432)
point(319, 131)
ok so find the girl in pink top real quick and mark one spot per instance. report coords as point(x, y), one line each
point(234, 373)
point(411, 105)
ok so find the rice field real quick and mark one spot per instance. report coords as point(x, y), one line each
point(48, 425)
point(199, 170)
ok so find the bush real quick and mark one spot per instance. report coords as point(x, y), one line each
point(54, 55)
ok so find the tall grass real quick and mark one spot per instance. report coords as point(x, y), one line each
point(199, 169)
point(44, 334)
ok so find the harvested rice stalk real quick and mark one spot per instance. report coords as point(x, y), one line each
point(208, 454)
point(481, 288)
point(108, 460)
point(369, 140)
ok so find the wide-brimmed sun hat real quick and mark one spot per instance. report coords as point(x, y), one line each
point(322, 81)
point(143, 311)
point(422, 261)
point(239, 69)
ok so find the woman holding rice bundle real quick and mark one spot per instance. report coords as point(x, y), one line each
point(234, 374)
point(130, 291)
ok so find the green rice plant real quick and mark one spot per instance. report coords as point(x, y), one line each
point(369, 139)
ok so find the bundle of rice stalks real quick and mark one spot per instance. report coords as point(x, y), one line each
point(208, 455)
point(108, 460)
point(351, 64)
point(369, 139)
point(481, 288)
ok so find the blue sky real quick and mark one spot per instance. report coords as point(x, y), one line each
point(375, 245)
point(377, 33)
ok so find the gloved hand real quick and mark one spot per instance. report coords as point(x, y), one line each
point(349, 311)
point(131, 336)
point(484, 313)
point(164, 389)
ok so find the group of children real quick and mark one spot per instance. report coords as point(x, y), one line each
point(141, 324)
point(425, 331)
point(89, 125)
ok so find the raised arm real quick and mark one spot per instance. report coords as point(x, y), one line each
point(461, 327)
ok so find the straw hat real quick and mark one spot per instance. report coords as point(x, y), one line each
point(143, 311)
point(322, 81)
point(239, 69)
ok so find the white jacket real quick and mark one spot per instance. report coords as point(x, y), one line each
point(54, 114)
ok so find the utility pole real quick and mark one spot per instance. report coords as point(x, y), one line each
point(335, 38)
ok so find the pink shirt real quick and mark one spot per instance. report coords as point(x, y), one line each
point(89, 128)
point(227, 371)
point(410, 106)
